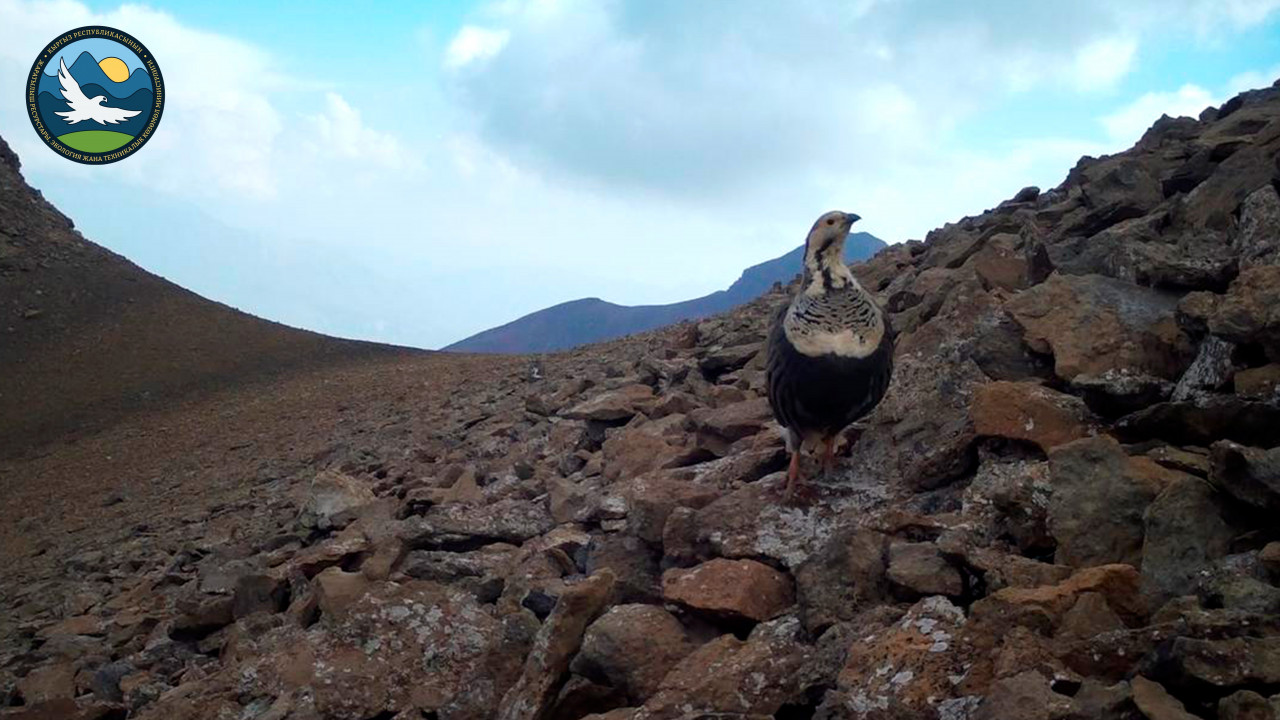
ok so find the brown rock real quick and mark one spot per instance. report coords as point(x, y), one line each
point(1029, 411)
point(1044, 607)
point(632, 451)
point(632, 647)
point(1249, 312)
point(1156, 703)
point(1089, 616)
point(906, 667)
point(78, 625)
point(1260, 383)
point(738, 678)
point(650, 499)
point(372, 658)
point(557, 642)
point(614, 405)
point(1025, 696)
point(1096, 325)
point(718, 428)
point(50, 682)
point(337, 590)
point(331, 499)
point(920, 569)
point(1228, 663)
point(1270, 558)
point(732, 588)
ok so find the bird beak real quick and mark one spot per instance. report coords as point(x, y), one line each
point(852, 217)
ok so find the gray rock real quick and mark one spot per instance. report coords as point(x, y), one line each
point(1248, 474)
point(919, 569)
point(849, 572)
point(1097, 506)
point(1211, 370)
point(1185, 533)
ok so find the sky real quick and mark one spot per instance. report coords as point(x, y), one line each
point(417, 172)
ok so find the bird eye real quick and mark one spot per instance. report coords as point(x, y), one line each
point(831, 222)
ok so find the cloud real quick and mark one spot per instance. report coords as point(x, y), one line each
point(692, 101)
point(340, 131)
point(1127, 124)
point(1102, 63)
point(474, 44)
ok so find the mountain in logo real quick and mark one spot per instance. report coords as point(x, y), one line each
point(134, 93)
point(86, 72)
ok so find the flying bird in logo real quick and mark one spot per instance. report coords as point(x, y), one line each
point(83, 108)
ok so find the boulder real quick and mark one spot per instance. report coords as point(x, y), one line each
point(919, 569)
point(613, 406)
point(1245, 705)
point(733, 589)
point(331, 499)
point(557, 642)
point(1031, 412)
point(845, 575)
point(1099, 497)
point(1097, 326)
point(1156, 703)
point(904, 669)
point(1247, 474)
point(631, 648)
point(751, 678)
point(1184, 533)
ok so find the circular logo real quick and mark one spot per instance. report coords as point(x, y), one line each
point(95, 95)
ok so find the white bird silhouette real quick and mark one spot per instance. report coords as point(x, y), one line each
point(83, 108)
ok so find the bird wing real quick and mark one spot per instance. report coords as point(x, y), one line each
point(70, 88)
point(112, 115)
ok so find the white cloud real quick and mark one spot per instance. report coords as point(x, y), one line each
point(474, 44)
point(1127, 124)
point(341, 131)
point(1102, 63)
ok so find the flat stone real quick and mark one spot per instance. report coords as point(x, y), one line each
point(732, 588)
point(613, 405)
point(1031, 412)
point(919, 569)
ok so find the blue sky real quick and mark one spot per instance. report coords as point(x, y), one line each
point(414, 173)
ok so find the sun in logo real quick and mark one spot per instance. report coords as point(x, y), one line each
point(95, 95)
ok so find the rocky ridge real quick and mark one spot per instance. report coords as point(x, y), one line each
point(1064, 508)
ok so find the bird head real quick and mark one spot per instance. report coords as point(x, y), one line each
point(98, 99)
point(826, 238)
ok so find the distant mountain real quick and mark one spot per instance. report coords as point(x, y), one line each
point(588, 320)
point(86, 72)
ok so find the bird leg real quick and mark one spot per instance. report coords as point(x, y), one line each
point(793, 475)
point(828, 454)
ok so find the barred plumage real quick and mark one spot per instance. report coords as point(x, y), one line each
point(830, 350)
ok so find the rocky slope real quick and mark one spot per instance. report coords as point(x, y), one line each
point(589, 320)
point(1064, 509)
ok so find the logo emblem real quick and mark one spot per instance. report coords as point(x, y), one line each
point(95, 95)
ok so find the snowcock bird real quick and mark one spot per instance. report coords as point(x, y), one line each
point(830, 351)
